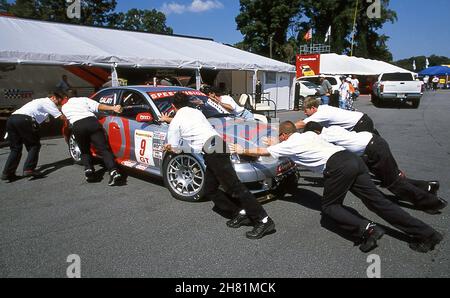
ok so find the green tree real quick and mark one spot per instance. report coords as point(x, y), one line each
point(141, 20)
point(288, 21)
point(263, 21)
point(421, 62)
point(93, 12)
point(368, 43)
point(4, 6)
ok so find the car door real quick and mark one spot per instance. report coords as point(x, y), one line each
point(111, 121)
point(145, 135)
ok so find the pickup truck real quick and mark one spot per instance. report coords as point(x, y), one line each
point(398, 86)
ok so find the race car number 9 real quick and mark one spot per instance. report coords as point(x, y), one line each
point(143, 147)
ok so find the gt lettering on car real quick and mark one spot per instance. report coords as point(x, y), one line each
point(143, 147)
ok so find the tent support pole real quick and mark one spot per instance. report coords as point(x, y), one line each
point(198, 79)
point(255, 79)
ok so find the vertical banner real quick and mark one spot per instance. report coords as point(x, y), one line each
point(308, 65)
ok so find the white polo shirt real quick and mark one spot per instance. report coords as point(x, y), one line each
point(355, 142)
point(237, 109)
point(328, 116)
point(190, 127)
point(39, 109)
point(306, 149)
point(78, 108)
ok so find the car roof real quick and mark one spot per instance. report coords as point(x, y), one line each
point(148, 88)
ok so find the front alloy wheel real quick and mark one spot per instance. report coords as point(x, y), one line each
point(185, 177)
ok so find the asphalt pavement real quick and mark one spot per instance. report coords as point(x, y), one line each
point(139, 230)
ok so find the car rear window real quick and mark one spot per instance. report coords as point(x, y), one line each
point(332, 80)
point(310, 85)
point(396, 77)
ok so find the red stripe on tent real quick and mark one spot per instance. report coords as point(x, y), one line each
point(99, 72)
point(81, 73)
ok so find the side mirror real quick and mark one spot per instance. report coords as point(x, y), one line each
point(144, 117)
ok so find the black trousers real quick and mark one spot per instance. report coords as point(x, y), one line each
point(22, 130)
point(365, 124)
point(382, 164)
point(87, 131)
point(347, 172)
point(220, 171)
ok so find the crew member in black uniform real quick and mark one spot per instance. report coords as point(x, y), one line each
point(328, 115)
point(86, 129)
point(378, 157)
point(190, 131)
point(23, 129)
point(344, 171)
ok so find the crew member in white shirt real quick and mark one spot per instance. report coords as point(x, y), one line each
point(190, 131)
point(328, 115)
point(380, 161)
point(23, 129)
point(86, 129)
point(228, 103)
point(344, 171)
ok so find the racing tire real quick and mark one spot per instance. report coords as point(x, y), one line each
point(74, 149)
point(415, 103)
point(184, 176)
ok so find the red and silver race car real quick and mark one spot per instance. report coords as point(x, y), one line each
point(137, 140)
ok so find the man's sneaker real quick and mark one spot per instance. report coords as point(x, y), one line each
point(32, 174)
point(239, 221)
point(261, 229)
point(435, 209)
point(372, 233)
point(433, 187)
point(90, 175)
point(428, 244)
point(9, 177)
point(114, 178)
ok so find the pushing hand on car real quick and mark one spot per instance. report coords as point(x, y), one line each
point(118, 109)
point(236, 149)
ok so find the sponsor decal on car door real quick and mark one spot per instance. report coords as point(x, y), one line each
point(143, 147)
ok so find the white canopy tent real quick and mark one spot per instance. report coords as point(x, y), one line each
point(39, 42)
point(341, 64)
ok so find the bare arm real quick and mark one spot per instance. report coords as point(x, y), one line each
point(116, 108)
point(235, 148)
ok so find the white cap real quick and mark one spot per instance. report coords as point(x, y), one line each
point(348, 79)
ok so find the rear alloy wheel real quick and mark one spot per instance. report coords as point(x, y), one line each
point(184, 176)
point(415, 103)
point(74, 150)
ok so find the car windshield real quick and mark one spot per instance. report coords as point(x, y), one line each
point(198, 100)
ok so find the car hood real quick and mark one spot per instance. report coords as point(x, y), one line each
point(249, 134)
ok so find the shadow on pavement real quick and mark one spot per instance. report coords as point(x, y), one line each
point(312, 200)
